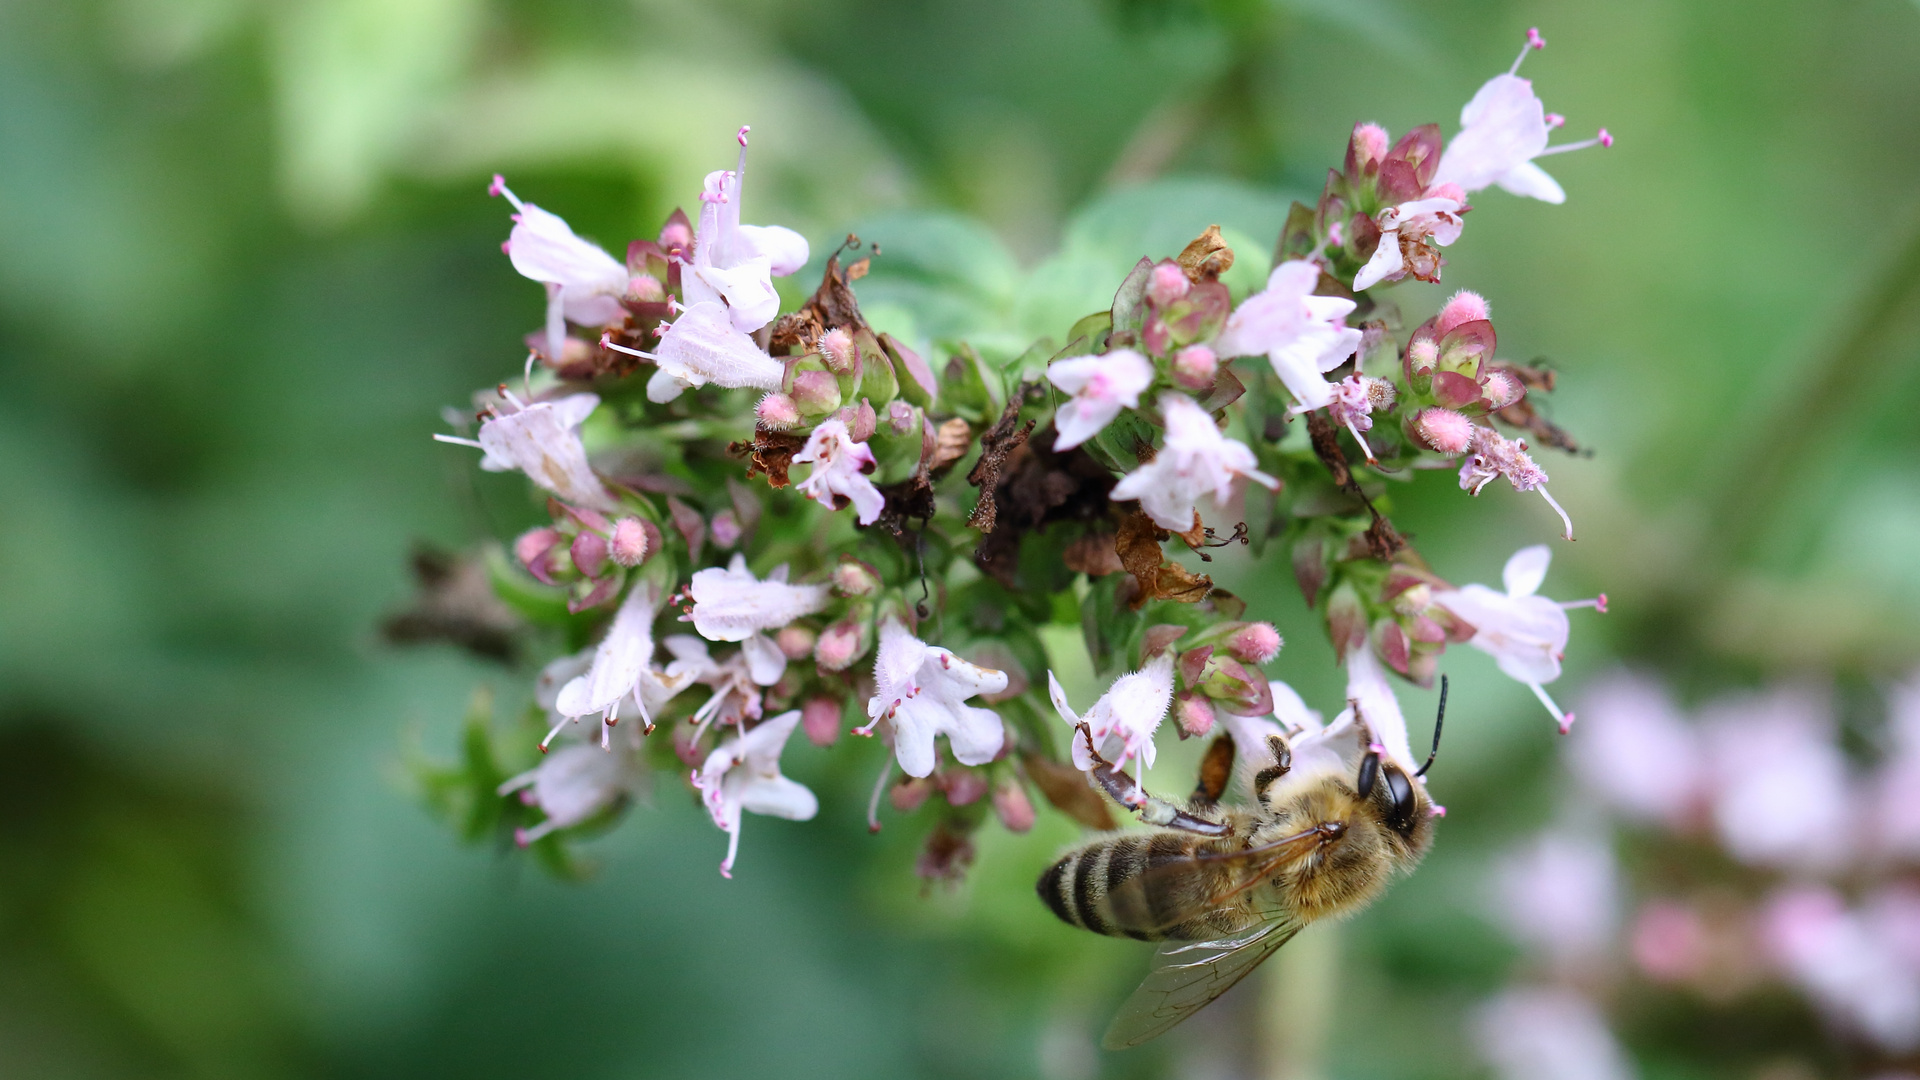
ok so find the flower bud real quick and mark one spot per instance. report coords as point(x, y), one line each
point(676, 233)
point(855, 578)
point(1195, 713)
point(1012, 806)
point(533, 544)
point(1346, 619)
point(777, 412)
point(1194, 368)
point(726, 529)
point(646, 289)
point(796, 642)
point(589, 553)
point(1167, 285)
point(1501, 389)
point(820, 718)
point(1464, 307)
point(963, 786)
point(836, 348)
point(860, 420)
point(900, 417)
point(1414, 599)
point(908, 795)
point(1256, 643)
point(1369, 145)
point(1422, 354)
point(815, 393)
point(633, 541)
point(840, 645)
point(1443, 430)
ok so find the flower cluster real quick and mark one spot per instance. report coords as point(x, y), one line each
point(1765, 857)
point(763, 521)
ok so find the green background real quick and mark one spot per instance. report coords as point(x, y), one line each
point(246, 257)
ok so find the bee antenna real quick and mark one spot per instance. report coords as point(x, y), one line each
point(1438, 719)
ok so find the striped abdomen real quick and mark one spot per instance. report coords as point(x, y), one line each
point(1080, 887)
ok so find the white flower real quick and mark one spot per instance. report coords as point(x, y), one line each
point(744, 774)
point(543, 440)
point(584, 284)
point(1636, 751)
point(1838, 959)
point(1371, 692)
point(1302, 335)
point(1101, 386)
point(734, 263)
point(1502, 130)
point(1548, 1033)
point(1526, 634)
point(840, 466)
point(1123, 721)
point(1897, 812)
point(923, 689)
point(1560, 894)
point(731, 604)
point(622, 657)
point(1780, 788)
point(573, 784)
point(703, 346)
point(736, 681)
point(1197, 460)
point(1408, 225)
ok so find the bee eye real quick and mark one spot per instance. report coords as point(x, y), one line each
point(1400, 814)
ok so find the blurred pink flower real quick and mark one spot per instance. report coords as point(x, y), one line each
point(1525, 633)
point(1548, 1033)
point(1779, 787)
point(743, 774)
point(840, 467)
point(1636, 751)
point(584, 283)
point(1560, 894)
point(1833, 955)
point(1669, 942)
point(542, 439)
point(572, 785)
point(1896, 812)
point(1502, 130)
point(1101, 386)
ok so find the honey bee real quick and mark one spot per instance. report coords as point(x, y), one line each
point(1223, 887)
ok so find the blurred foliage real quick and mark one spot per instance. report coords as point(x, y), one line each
point(249, 258)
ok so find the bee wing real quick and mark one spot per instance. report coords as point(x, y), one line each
point(1158, 899)
point(1187, 975)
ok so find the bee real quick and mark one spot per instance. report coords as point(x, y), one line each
point(1224, 887)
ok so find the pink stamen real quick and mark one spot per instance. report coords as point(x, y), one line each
point(1561, 717)
point(1439, 811)
point(1534, 41)
point(1554, 120)
point(1604, 139)
point(506, 247)
point(742, 135)
point(499, 187)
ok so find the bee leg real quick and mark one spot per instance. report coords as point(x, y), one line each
point(1154, 811)
point(1282, 764)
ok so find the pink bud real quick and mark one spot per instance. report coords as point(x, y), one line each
point(726, 529)
point(815, 393)
point(855, 578)
point(838, 647)
point(963, 786)
point(1422, 354)
point(1369, 144)
point(1195, 714)
point(1669, 942)
point(1256, 643)
point(908, 795)
point(646, 288)
point(777, 412)
point(1168, 284)
point(820, 719)
point(589, 553)
point(860, 420)
point(796, 642)
point(1443, 430)
point(1464, 307)
point(900, 417)
point(676, 234)
point(631, 544)
point(1501, 389)
point(1195, 367)
point(837, 347)
point(1012, 806)
point(534, 543)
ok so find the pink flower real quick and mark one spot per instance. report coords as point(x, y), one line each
point(1495, 455)
point(1832, 954)
point(1669, 942)
point(1560, 894)
point(1780, 790)
point(623, 656)
point(543, 440)
point(1371, 693)
point(1101, 386)
point(923, 689)
point(840, 466)
point(1502, 130)
point(574, 784)
point(584, 284)
point(733, 605)
point(1548, 1033)
point(1302, 335)
point(734, 263)
point(1409, 225)
point(1123, 721)
point(704, 346)
point(1636, 751)
point(1197, 460)
point(1896, 815)
point(1354, 400)
point(1526, 634)
point(743, 774)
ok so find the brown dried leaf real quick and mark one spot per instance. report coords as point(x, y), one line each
point(859, 269)
point(771, 452)
point(1207, 257)
point(950, 443)
point(455, 603)
point(1138, 546)
point(1382, 540)
point(997, 444)
point(1093, 555)
point(1066, 788)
